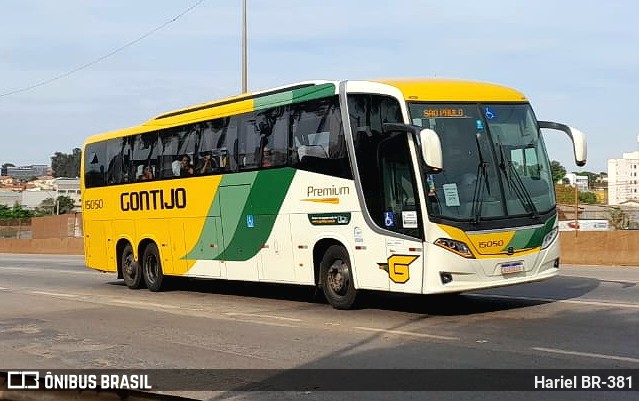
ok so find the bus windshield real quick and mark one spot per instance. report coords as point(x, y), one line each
point(495, 162)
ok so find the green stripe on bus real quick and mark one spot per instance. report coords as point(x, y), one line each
point(230, 193)
point(540, 233)
point(313, 92)
point(530, 238)
point(295, 96)
point(278, 99)
point(265, 201)
point(242, 215)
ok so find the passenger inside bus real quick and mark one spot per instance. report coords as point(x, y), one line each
point(267, 161)
point(206, 164)
point(146, 173)
point(186, 169)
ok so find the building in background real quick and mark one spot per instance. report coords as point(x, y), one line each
point(10, 198)
point(623, 178)
point(43, 188)
point(27, 172)
point(69, 187)
point(580, 180)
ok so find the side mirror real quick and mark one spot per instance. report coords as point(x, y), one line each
point(431, 148)
point(578, 139)
point(428, 140)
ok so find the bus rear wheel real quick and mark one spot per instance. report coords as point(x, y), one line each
point(152, 268)
point(337, 278)
point(131, 270)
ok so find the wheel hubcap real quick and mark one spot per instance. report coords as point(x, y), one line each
point(338, 278)
point(128, 266)
point(151, 268)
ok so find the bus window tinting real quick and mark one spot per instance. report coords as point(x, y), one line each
point(95, 165)
point(306, 135)
point(317, 143)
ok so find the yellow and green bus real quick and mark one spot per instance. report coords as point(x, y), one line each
point(418, 186)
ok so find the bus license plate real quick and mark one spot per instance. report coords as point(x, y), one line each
point(512, 267)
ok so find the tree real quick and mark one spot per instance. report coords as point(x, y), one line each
point(61, 205)
point(557, 170)
point(592, 177)
point(618, 218)
point(15, 212)
point(565, 194)
point(65, 205)
point(66, 165)
point(587, 197)
point(46, 208)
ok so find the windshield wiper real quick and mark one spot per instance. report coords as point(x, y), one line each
point(478, 193)
point(517, 185)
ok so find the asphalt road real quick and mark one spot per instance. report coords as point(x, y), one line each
point(55, 313)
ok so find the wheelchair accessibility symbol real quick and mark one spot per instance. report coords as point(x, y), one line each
point(489, 113)
point(389, 219)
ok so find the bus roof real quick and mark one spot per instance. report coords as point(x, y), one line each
point(232, 105)
point(244, 102)
point(450, 90)
point(427, 89)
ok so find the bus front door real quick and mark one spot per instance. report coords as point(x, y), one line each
point(401, 215)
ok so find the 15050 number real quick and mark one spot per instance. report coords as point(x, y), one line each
point(91, 204)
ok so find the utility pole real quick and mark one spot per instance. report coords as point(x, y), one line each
point(244, 51)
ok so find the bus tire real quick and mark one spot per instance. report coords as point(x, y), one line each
point(131, 270)
point(152, 268)
point(337, 278)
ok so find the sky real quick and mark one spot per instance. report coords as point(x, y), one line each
point(576, 61)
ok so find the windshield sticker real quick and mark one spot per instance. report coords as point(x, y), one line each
point(451, 196)
point(489, 113)
point(389, 219)
point(409, 219)
point(431, 185)
point(479, 124)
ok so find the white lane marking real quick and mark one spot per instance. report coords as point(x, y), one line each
point(47, 270)
point(408, 333)
point(167, 307)
point(290, 319)
point(587, 354)
point(265, 323)
point(144, 304)
point(55, 294)
point(242, 354)
point(564, 301)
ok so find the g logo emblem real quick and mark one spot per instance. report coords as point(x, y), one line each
point(397, 267)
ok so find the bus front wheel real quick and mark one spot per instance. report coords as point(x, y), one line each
point(152, 268)
point(131, 270)
point(337, 278)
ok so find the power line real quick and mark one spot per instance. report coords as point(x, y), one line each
point(104, 57)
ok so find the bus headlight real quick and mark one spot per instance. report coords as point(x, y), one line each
point(455, 246)
point(549, 238)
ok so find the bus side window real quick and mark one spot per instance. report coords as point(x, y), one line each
point(94, 165)
point(318, 143)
